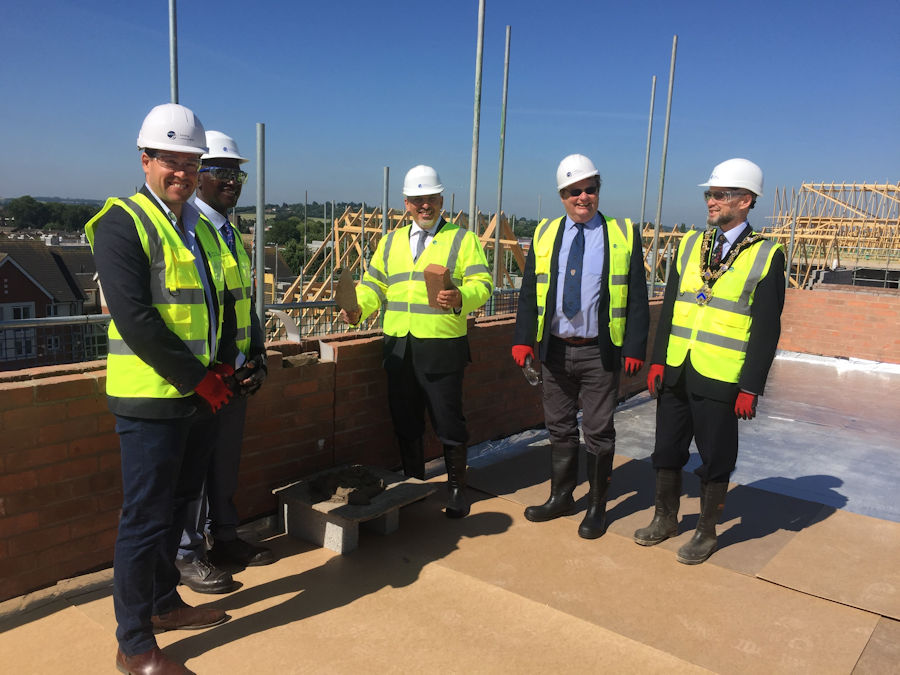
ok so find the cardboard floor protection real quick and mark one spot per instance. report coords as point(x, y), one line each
point(755, 525)
point(855, 560)
point(882, 654)
point(704, 614)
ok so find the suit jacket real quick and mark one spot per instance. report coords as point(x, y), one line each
point(765, 330)
point(637, 319)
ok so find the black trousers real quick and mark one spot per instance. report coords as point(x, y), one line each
point(411, 391)
point(682, 416)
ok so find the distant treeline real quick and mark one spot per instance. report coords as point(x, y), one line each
point(28, 212)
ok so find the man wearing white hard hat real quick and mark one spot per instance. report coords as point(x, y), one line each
point(213, 512)
point(425, 347)
point(715, 342)
point(583, 300)
point(160, 262)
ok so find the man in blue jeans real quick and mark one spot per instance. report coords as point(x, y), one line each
point(161, 269)
point(220, 183)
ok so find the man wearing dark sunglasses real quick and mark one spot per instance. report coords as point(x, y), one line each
point(583, 300)
point(213, 511)
point(715, 342)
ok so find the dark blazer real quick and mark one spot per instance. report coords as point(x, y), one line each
point(765, 330)
point(637, 320)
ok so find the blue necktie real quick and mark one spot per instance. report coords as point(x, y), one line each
point(228, 235)
point(572, 284)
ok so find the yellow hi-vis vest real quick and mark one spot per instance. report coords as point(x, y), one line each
point(716, 333)
point(176, 291)
point(394, 279)
point(621, 243)
point(240, 284)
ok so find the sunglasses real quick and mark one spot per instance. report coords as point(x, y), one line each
point(224, 174)
point(721, 195)
point(576, 192)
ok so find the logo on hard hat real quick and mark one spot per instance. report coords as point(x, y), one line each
point(171, 134)
point(568, 174)
point(419, 185)
point(225, 149)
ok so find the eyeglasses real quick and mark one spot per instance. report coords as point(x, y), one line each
point(722, 195)
point(175, 163)
point(225, 174)
point(575, 192)
point(418, 201)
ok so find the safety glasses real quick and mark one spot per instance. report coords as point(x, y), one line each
point(225, 175)
point(721, 195)
point(175, 163)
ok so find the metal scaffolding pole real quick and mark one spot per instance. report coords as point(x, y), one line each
point(173, 52)
point(473, 176)
point(384, 201)
point(259, 234)
point(500, 172)
point(647, 155)
point(662, 169)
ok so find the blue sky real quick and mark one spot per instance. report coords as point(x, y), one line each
point(809, 91)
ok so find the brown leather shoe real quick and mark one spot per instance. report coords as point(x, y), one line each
point(153, 662)
point(188, 618)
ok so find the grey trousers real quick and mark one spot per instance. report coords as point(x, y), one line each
point(571, 373)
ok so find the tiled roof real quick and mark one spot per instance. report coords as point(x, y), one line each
point(46, 265)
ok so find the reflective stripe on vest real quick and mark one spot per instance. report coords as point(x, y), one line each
point(716, 333)
point(176, 291)
point(621, 243)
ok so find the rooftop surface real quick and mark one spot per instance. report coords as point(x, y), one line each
point(805, 581)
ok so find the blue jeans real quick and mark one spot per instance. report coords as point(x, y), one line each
point(163, 465)
point(214, 508)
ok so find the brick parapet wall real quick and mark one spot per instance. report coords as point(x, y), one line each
point(60, 485)
point(843, 322)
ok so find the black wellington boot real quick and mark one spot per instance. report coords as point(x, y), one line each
point(599, 476)
point(455, 458)
point(665, 517)
point(563, 475)
point(703, 543)
point(412, 455)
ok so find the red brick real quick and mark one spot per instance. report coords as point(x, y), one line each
point(19, 439)
point(300, 388)
point(35, 416)
point(13, 525)
point(38, 540)
point(91, 405)
point(66, 511)
point(17, 482)
point(33, 457)
point(66, 471)
point(65, 387)
point(16, 395)
point(68, 430)
point(93, 445)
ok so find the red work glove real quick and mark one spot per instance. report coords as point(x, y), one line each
point(655, 378)
point(632, 366)
point(213, 390)
point(745, 406)
point(519, 352)
point(223, 369)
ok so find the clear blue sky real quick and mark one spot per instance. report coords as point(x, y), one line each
point(809, 91)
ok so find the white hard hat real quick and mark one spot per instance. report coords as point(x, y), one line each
point(222, 146)
point(422, 180)
point(573, 169)
point(737, 173)
point(172, 127)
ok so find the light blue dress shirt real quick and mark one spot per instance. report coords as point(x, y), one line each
point(583, 324)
